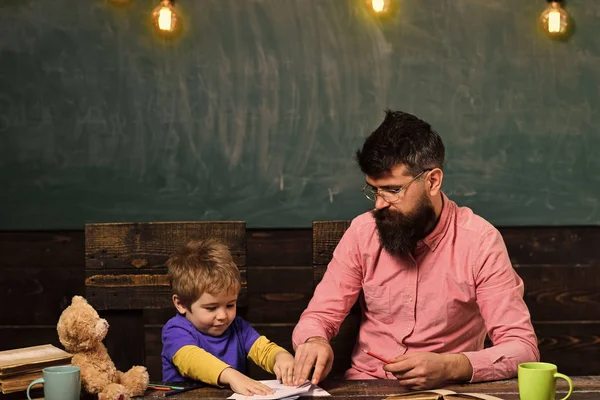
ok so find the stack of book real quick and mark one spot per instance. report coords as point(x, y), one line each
point(20, 367)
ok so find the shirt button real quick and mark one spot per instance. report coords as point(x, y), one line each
point(410, 298)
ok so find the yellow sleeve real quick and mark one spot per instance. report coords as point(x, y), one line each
point(198, 364)
point(263, 353)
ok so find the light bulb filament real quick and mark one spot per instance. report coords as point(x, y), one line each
point(554, 22)
point(164, 19)
point(378, 5)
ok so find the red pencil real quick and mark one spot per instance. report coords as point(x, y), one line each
point(160, 388)
point(376, 356)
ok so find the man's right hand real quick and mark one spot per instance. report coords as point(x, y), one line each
point(317, 352)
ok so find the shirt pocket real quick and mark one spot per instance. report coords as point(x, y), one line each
point(377, 301)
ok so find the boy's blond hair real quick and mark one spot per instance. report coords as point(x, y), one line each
point(202, 266)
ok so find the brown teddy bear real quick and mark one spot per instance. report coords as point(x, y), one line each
point(81, 331)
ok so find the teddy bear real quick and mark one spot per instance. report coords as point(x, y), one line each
point(81, 331)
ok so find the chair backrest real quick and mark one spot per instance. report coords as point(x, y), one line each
point(326, 235)
point(125, 262)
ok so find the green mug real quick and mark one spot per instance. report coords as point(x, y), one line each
point(60, 383)
point(537, 381)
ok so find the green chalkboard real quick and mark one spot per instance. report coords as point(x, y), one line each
point(255, 111)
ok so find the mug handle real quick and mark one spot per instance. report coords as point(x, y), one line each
point(37, 381)
point(566, 378)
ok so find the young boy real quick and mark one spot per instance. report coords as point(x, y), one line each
point(206, 341)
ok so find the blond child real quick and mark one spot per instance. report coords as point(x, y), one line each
point(206, 341)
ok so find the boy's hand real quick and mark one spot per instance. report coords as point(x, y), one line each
point(241, 384)
point(284, 368)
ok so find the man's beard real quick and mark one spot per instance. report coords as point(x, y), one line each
point(398, 232)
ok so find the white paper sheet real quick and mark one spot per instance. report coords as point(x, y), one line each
point(284, 392)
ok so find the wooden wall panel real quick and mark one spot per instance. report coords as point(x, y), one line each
point(278, 294)
point(280, 279)
point(41, 271)
point(49, 290)
point(153, 349)
point(42, 249)
point(125, 338)
point(279, 247)
point(39, 274)
point(573, 347)
point(15, 336)
point(549, 245)
point(561, 292)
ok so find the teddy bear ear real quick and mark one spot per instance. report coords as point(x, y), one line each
point(78, 299)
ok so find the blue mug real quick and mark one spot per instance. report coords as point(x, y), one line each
point(60, 383)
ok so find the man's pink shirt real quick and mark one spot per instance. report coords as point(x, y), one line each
point(458, 285)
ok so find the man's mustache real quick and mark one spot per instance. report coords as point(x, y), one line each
point(385, 213)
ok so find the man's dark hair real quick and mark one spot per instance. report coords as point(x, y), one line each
point(401, 138)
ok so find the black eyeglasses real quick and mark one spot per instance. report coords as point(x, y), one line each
point(389, 195)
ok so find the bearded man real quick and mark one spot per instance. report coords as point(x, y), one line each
point(435, 278)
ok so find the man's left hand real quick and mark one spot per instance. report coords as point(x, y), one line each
point(428, 370)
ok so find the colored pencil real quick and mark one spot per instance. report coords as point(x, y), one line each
point(159, 385)
point(163, 388)
point(376, 356)
point(174, 392)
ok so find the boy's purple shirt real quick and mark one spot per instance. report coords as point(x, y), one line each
point(232, 347)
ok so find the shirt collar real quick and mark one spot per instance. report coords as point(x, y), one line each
point(433, 239)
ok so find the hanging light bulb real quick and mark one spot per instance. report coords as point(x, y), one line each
point(555, 20)
point(379, 6)
point(164, 17)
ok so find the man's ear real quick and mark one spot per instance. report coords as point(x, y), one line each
point(181, 309)
point(434, 181)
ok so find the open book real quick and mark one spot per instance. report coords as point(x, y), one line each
point(441, 394)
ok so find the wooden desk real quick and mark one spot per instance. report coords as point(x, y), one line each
point(585, 388)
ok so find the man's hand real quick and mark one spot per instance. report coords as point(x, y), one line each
point(241, 384)
point(316, 352)
point(428, 370)
point(284, 367)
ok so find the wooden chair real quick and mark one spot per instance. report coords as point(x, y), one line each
point(126, 274)
point(326, 235)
